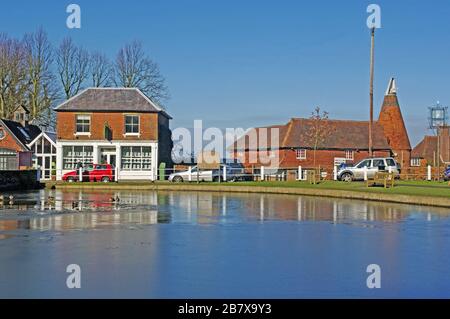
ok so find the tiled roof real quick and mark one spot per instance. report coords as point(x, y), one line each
point(51, 135)
point(261, 136)
point(344, 135)
point(111, 99)
point(392, 122)
point(24, 134)
point(426, 148)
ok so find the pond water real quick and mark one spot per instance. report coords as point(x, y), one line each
point(132, 244)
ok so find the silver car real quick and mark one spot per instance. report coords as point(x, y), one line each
point(215, 175)
point(372, 165)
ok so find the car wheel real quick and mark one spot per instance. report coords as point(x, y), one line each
point(347, 177)
point(70, 179)
point(105, 179)
point(177, 179)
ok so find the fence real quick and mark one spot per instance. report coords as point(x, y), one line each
point(181, 173)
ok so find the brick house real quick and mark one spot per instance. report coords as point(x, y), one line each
point(24, 145)
point(119, 126)
point(425, 153)
point(348, 142)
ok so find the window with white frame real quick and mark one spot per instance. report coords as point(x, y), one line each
point(136, 158)
point(43, 146)
point(349, 155)
point(301, 153)
point(73, 155)
point(8, 159)
point(415, 161)
point(83, 125)
point(131, 124)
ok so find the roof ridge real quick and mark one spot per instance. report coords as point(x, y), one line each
point(111, 88)
point(334, 120)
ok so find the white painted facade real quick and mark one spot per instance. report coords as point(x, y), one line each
point(44, 156)
point(103, 151)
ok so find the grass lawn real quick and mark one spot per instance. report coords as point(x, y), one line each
point(413, 188)
point(421, 188)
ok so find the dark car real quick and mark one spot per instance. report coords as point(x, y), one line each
point(92, 173)
point(447, 174)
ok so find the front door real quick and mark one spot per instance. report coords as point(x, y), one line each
point(47, 166)
point(108, 156)
point(112, 159)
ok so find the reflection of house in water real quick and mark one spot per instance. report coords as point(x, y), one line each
point(309, 208)
point(88, 210)
point(85, 200)
point(61, 222)
point(208, 207)
point(198, 207)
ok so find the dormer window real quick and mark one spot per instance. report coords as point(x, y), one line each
point(83, 125)
point(132, 124)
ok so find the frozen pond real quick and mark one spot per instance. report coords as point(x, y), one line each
point(212, 245)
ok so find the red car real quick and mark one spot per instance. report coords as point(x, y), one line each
point(92, 173)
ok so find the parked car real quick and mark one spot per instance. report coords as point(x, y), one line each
point(447, 174)
point(92, 173)
point(234, 171)
point(237, 172)
point(356, 172)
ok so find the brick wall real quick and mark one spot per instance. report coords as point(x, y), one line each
point(116, 121)
point(324, 158)
point(403, 157)
point(445, 144)
point(10, 142)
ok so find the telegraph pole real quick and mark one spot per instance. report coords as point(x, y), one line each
point(438, 119)
point(372, 62)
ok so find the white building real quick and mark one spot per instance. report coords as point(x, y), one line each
point(118, 126)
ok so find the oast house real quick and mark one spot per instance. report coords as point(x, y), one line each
point(348, 141)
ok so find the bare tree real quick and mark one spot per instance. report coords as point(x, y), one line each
point(73, 65)
point(319, 130)
point(12, 75)
point(41, 91)
point(100, 69)
point(133, 68)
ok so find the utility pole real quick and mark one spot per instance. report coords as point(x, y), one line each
point(438, 120)
point(372, 62)
point(438, 155)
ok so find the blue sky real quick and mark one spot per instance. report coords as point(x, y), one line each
point(251, 63)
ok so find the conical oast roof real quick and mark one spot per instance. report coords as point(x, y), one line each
point(391, 120)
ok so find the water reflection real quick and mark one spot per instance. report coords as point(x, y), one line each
point(207, 207)
point(64, 210)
